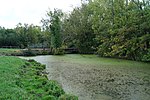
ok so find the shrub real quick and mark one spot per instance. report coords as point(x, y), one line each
point(49, 97)
point(29, 53)
point(54, 88)
point(45, 52)
point(68, 97)
point(146, 57)
point(58, 51)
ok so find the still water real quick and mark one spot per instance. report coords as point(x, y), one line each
point(90, 79)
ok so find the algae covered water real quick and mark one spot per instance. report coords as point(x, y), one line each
point(93, 78)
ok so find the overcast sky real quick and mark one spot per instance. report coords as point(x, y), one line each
point(30, 11)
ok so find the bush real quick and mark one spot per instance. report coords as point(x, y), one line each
point(54, 88)
point(29, 53)
point(45, 52)
point(68, 97)
point(146, 57)
point(49, 97)
point(58, 51)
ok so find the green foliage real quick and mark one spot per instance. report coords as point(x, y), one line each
point(114, 28)
point(45, 52)
point(68, 97)
point(27, 34)
point(8, 37)
point(29, 53)
point(58, 51)
point(77, 30)
point(20, 37)
point(146, 57)
point(111, 28)
point(49, 97)
point(53, 24)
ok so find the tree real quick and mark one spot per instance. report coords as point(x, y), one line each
point(77, 28)
point(8, 37)
point(121, 27)
point(54, 26)
point(27, 34)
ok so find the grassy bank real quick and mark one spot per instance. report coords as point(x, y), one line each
point(23, 52)
point(9, 52)
point(26, 80)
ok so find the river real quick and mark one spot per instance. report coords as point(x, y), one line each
point(93, 78)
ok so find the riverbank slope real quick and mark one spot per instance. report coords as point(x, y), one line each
point(27, 80)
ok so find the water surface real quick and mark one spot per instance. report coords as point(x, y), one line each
point(93, 78)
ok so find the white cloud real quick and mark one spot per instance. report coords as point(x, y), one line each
point(30, 11)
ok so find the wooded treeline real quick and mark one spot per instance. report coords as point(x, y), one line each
point(23, 36)
point(109, 28)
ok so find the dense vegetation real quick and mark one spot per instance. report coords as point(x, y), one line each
point(112, 28)
point(26, 80)
point(109, 28)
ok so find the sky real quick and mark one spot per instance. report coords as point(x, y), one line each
point(13, 12)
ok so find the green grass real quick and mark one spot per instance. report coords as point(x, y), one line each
point(25, 80)
point(22, 52)
point(9, 73)
point(9, 52)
